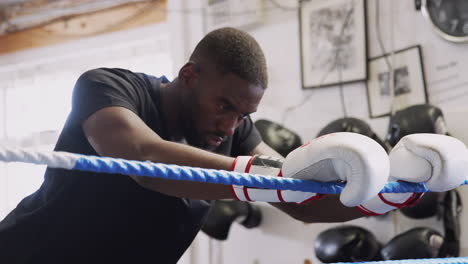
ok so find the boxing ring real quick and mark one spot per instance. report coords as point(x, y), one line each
point(71, 161)
point(417, 261)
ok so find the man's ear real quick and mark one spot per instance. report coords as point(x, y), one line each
point(188, 73)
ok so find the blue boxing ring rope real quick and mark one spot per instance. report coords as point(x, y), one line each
point(417, 261)
point(71, 161)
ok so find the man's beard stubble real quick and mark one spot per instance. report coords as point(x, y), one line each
point(191, 134)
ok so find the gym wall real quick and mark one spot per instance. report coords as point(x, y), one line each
point(281, 239)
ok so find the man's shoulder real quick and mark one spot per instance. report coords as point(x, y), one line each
point(106, 74)
point(98, 73)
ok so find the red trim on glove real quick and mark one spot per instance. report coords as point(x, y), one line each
point(280, 196)
point(234, 193)
point(317, 196)
point(246, 193)
point(249, 164)
point(414, 198)
point(366, 211)
point(278, 192)
point(232, 187)
point(234, 163)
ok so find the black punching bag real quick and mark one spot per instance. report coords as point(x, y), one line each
point(452, 205)
point(278, 137)
point(422, 118)
point(346, 244)
point(429, 205)
point(416, 243)
point(223, 213)
point(351, 124)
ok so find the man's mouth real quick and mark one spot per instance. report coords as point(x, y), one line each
point(215, 140)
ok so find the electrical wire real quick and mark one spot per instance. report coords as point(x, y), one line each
point(4, 110)
point(390, 80)
point(151, 6)
point(196, 11)
point(379, 35)
point(339, 64)
point(274, 3)
point(335, 65)
point(284, 8)
point(392, 58)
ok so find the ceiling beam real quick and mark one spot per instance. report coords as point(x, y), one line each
point(80, 26)
point(19, 16)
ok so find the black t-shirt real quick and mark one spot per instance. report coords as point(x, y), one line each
point(82, 217)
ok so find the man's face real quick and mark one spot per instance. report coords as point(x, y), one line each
point(216, 105)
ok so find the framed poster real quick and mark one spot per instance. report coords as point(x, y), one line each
point(333, 42)
point(408, 78)
point(242, 14)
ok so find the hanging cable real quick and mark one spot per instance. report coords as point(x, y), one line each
point(390, 80)
point(283, 8)
point(150, 7)
point(338, 61)
point(392, 59)
point(379, 34)
point(335, 65)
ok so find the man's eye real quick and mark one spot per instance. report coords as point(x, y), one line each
point(222, 107)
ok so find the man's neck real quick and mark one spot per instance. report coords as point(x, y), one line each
point(171, 112)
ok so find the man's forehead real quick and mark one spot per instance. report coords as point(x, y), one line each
point(242, 90)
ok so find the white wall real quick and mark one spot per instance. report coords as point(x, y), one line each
point(36, 90)
point(281, 239)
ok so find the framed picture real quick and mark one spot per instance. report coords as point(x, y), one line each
point(408, 81)
point(242, 14)
point(333, 42)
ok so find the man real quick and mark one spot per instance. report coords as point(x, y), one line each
point(81, 217)
point(89, 218)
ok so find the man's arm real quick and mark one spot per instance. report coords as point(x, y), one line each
point(328, 209)
point(118, 132)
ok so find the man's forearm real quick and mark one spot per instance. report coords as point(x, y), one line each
point(326, 210)
point(186, 189)
point(187, 156)
point(184, 155)
point(118, 132)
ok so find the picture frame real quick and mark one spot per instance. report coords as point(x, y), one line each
point(241, 14)
point(333, 42)
point(409, 82)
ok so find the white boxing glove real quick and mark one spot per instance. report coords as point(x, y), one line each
point(438, 161)
point(357, 160)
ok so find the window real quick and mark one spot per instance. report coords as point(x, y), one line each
point(36, 97)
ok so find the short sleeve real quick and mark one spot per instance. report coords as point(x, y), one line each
point(246, 138)
point(100, 88)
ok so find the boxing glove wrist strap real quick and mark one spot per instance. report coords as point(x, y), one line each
point(265, 165)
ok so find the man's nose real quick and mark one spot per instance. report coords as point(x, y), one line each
point(228, 124)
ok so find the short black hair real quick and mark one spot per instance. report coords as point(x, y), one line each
point(234, 51)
